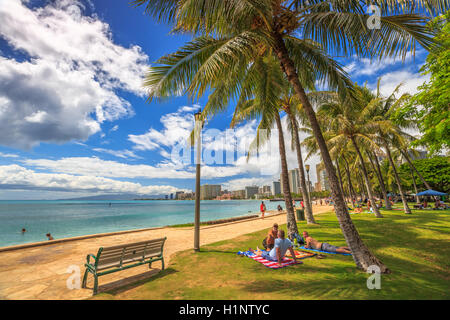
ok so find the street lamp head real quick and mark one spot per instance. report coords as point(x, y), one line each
point(307, 167)
point(197, 115)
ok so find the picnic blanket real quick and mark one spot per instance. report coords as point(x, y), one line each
point(269, 264)
point(308, 249)
point(301, 254)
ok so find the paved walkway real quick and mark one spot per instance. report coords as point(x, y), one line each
point(42, 272)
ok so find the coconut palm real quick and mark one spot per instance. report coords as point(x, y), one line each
point(245, 28)
point(390, 134)
point(373, 158)
point(261, 99)
point(349, 123)
point(405, 155)
point(292, 107)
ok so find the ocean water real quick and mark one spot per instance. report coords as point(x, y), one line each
point(76, 218)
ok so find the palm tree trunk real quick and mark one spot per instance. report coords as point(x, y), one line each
point(308, 213)
point(361, 254)
point(362, 191)
point(366, 180)
point(376, 168)
point(350, 184)
point(291, 223)
point(397, 180)
point(414, 184)
point(340, 178)
point(405, 155)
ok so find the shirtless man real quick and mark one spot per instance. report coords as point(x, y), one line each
point(322, 246)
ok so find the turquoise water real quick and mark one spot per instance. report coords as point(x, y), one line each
point(76, 218)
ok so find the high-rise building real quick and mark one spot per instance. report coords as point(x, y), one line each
point(178, 195)
point(238, 194)
point(322, 177)
point(293, 180)
point(250, 191)
point(276, 188)
point(209, 191)
point(317, 187)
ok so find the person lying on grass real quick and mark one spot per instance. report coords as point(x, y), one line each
point(279, 250)
point(312, 243)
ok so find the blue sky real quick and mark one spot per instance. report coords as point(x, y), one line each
point(74, 120)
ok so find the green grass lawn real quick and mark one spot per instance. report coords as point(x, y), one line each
point(415, 247)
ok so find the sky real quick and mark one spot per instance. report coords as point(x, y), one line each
point(75, 121)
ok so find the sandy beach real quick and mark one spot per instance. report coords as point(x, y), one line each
point(42, 272)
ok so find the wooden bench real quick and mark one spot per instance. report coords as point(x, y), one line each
point(121, 257)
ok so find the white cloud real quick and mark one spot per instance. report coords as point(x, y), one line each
point(93, 166)
point(370, 67)
point(177, 127)
point(125, 154)
point(410, 80)
point(18, 177)
point(67, 87)
point(8, 155)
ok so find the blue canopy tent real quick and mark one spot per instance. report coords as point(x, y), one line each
point(430, 192)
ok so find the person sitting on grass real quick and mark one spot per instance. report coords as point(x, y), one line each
point(278, 251)
point(269, 241)
point(380, 205)
point(312, 243)
point(358, 208)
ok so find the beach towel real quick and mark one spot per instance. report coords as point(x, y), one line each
point(269, 264)
point(307, 249)
point(301, 254)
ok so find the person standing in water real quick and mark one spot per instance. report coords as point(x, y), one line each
point(23, 231)
point(49, 236)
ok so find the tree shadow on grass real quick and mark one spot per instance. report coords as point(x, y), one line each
point(342, 282)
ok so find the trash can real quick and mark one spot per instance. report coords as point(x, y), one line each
point(300, 214)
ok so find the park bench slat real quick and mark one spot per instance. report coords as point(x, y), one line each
point(133, 244)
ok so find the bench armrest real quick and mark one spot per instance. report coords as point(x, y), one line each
point(88, 258)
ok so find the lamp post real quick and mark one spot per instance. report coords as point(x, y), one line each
point(309, 183)
point(198, 141)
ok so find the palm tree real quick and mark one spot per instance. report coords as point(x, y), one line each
point(413, 167)
point(262, 99)
point(291, 107)
point(245, 28)
point(373, 158)
point(389, 133)
point(348, 122)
